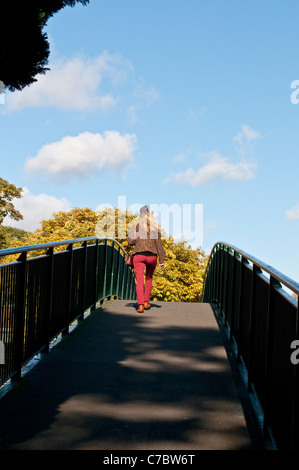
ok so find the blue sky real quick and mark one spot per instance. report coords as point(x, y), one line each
point(167, 101)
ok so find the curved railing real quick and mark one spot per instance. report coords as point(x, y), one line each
point(259, 307)
point(42, 295)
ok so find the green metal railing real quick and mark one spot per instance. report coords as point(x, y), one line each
point(259, 307)
point(41, 296)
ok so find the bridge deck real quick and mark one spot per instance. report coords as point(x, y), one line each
point(123, 380)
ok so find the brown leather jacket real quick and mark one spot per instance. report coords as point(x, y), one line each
point(154, 245)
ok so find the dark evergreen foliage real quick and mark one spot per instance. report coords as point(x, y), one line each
point(24, 46)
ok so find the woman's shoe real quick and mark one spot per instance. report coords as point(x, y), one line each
point(146, 305)
point(140, 309)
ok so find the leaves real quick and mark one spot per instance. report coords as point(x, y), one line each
point(179, 280)
point(8, 192)
point(24, 47)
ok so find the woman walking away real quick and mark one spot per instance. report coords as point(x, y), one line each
point(146, 237)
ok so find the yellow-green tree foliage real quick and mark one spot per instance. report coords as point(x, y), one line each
point(78, 223)
point(181, 277)
point(8, 192)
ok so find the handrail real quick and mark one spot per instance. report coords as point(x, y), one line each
point(41, 296)
point(262, 322)
point(287, 281)
point(41, 246)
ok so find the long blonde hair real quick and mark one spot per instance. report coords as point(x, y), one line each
point(147, 224)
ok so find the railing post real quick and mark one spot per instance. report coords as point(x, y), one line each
point(216, 274)
point(112, 270)
point(50, 254)
point(105, 271)
point(69, 305)
point(220, 295)
point(225, 285)
point(217, 255)
point(252, 324)
point(242, 269)
point(214, 268)
point(118, 261)
point(125, 281)
point(269, 354)
point(96, 276)
point(208, 294)
point(20, 316)
point(232, 319)
point(84, 281)
point(130, 288)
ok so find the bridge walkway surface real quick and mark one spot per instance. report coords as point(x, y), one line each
point(163, 379)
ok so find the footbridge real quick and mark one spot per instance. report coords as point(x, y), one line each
point(81, 369)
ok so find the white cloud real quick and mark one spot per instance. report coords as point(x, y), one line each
point(246, 136)
point(293, 214)
point(217, 168)
point(35, 208)
point(83, 155)
point(73, 84)
point(87, 84)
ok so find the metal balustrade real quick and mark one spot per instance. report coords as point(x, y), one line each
point(41, 296)
point(259, 308)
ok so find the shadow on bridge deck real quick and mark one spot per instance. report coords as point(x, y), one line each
point(123, 380)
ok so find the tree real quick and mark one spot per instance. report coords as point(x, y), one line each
point(8, 192)
point(11, 234)
point(24, 46)
point(78, 223)
point(181, 278)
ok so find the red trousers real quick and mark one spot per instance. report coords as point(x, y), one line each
point(143, 288)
